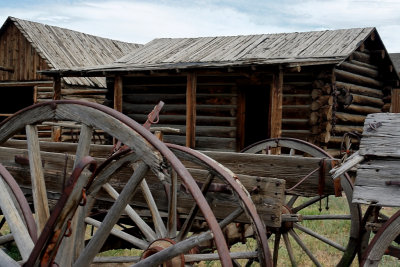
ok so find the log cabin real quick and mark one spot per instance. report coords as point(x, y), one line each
point(225, 93)
point(27, 47)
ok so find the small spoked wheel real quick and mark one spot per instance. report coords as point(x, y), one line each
point(328, 230)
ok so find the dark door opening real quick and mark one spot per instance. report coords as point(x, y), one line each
point(14, 99)
point(256, 113)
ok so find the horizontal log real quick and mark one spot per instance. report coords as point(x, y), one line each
point(361, 90)
point(367, 100)
point(357, 79)
point(216, 131)
point(201, 98)
point(181, 119)
point(373, 73)
point(296, 99)
point(84, 91)
point(350, 118)
point(295, 123)
point(204, 143)
point(362, 64)
point(176, 108)
point(299, 134)
point(362, 57)
point(342, 129)
point(362, 109)
point(296, 89)
point(295, 111)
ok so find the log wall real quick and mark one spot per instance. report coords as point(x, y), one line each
point(359, 89)
point(216, 107)
point(296, 105)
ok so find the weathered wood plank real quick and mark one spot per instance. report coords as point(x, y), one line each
point(370, 186)
point(280, 167)
point(381, 135)
point(37, 177)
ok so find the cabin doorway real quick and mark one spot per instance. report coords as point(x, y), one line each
point(14, 99)
point(256, 126)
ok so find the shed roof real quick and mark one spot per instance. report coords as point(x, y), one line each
point(302, 48)
point(396, 61)
point(62, 48)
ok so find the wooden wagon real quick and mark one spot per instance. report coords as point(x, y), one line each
point(377, 181)
point(145, 196)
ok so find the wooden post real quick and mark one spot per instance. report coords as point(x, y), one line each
point(395, 107)
point(57, 88)
point(56, 130)
point(191, 110)
point(118, 93)
point(276, 105)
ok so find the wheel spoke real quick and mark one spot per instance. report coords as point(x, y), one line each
point(39, 193)
point(303, 246)
point(112, 217)
point(139, 243)
point(307, 203)
point(193, 212)
point(289, 249)
point(215, 256)
point(155, 214)
point(320, 237)
point(276, 248)
point(141, 224)
point(291, 201)
point(71, 248)
point(172, 206)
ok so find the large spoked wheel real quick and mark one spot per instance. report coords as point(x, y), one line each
point(385, 243)
point(150, 155)
point(226, 196)
point(327, 234)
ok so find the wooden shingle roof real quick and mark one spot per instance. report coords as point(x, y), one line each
point(299, 48)
point(267, 48)
point(62, 48)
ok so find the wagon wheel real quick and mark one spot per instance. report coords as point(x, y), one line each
point(385, 242)
point(149, 154)
point(218, 180)
point(302, 231)
point(179, 224)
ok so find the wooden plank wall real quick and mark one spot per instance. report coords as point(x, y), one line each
point(17, 53)
point(216, 107)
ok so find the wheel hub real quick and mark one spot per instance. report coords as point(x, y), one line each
point(161, 244)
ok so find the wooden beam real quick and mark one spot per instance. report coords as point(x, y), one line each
point(118, 93)
point(57, 88)
point(276, 105)
point(191, 110)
